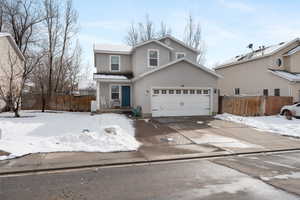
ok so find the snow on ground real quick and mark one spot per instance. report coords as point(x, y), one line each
point(276, 124)
point(65, 131)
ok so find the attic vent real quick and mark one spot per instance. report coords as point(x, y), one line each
point(278, 62)
point(281, 43)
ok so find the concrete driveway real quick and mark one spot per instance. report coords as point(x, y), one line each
point(177, 137)
point(164, 139)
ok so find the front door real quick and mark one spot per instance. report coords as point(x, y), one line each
point(125, 96)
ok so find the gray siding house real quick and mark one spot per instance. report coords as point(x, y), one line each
point(160, 76)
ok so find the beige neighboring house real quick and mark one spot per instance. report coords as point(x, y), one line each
point(161, 76)
point(10, 54)
point(272, 70)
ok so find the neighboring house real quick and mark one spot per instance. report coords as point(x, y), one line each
point(272, 70)
point(10, 56)
point(86, 88)
point(161, 76)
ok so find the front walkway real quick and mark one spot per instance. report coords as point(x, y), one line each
point(165, 139)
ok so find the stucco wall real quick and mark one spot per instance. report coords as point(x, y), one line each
point(140, 57)
point(251, 78)
point(102, 63)
point(181, 74)
point(295, 62)
point(191, 55)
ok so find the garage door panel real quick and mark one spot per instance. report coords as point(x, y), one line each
point(180, 104)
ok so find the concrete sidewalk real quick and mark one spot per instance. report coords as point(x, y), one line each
point(189, 139)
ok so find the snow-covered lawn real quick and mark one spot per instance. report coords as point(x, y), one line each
point(276, 124)
point(65, 131)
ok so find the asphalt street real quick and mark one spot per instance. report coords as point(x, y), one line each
point(264, 176)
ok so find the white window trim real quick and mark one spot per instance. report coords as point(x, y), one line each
point(120, 92)
point(111, 63)
point(110, 90)
point(177, 53)
point(148, 58)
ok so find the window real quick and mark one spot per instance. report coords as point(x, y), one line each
point(192, 91)
point(115, 63)
point(266, 92)
point(115, 92)
point(199, 91)
point(164, 91)
point(236, 91)
point(178, 91)
point(153, 57)
point(156, 91)
point(185, 91)
point(171, 91)
point(276, 92)
point(205, 91)
point(180, 55)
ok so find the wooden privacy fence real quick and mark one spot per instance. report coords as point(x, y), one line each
point(58, 102)
point(253, 105)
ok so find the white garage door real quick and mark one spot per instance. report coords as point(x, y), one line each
point(180, 102)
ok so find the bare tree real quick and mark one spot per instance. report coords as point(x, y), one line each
point(69, 30)
point(11, 81)
point(52, 25)
point(141, 32)
point(147, 29)
point(164, 30)
point(132, 37)
point(193, 37)
point(20, 18)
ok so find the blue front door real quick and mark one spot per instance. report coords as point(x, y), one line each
point(125, 96)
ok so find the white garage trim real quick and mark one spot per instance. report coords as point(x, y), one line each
point(211, 94)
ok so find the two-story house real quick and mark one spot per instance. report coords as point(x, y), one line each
point(161, 76)
point(272, 70)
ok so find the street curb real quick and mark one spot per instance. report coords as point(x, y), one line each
point(144, 162)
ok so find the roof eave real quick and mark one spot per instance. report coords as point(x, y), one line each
point(266, 55)
point(113, 52)
point(175, 62)
point(180, 42)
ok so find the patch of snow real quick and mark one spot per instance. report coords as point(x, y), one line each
point(200, 122)
point(247, 187)
point(276, 123)
point(53, 132)
point(294, 175)
point(117, 77)
point(86, 84)
point(295, 50)
point(255, 54)
point(221, 141)
point(112, 47)
point(287, 75)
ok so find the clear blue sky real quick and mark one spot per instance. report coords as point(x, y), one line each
point(228, 26)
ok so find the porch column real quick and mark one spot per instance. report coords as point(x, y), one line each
point(98, 95)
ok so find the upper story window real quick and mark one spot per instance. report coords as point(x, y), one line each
point(115, 63)
point(153, 57)
point(237, 91)
point(180, 55)
point(277, 92)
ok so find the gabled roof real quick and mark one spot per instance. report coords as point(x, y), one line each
point(293, 77)
point(201, 67)
point(13, 44)
point(150, 41)
point(257, 54)
point(179, 42)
